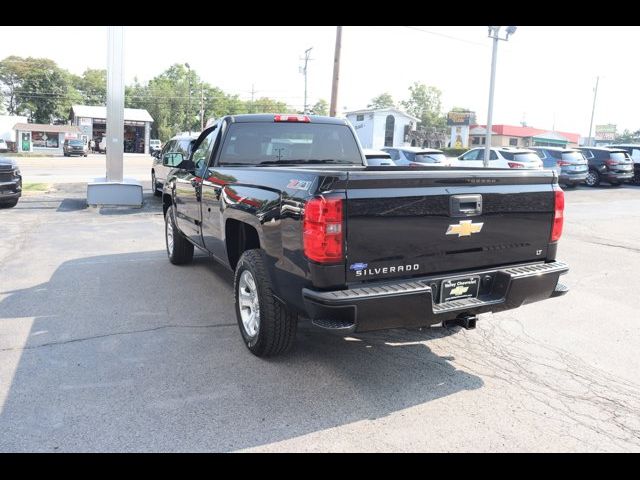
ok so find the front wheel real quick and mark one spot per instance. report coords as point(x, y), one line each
point(179, 249)
point(268, 328)
point(593, 178)
point(154, 185)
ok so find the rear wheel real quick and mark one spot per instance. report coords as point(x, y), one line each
point(593, 178)
point(179, 249)
point(268, 328)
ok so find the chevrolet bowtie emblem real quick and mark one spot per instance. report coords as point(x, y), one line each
point(465, 228)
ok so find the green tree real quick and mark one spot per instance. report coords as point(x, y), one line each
point(628, 136)
point(11, 75)
point(92, 86)
point(425, 103)
point(321, 107)
point(384, 100)
point(267, 105)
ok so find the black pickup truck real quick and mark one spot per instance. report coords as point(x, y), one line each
point(289, 204)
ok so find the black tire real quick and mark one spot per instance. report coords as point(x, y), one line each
point(179, 249)
point(154, 185)
point(593, 178)
point(276, 330)
point(9, 204)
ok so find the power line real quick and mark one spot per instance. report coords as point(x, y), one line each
point(451, 37)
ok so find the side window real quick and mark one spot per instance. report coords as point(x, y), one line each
point(184, 147)
point(201, 154)
point(470, 155)
point(409, 155)
point(540, 153)
point(587, 154)
point(393, 153)
point(492, 156)
point(167, 148)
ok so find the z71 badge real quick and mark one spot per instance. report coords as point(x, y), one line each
point(299, 184)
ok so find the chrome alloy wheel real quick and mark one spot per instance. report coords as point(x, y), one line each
point(169, 232)
point(591, 178)
point(249, 303)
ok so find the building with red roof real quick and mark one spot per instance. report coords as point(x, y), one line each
point(514, 136)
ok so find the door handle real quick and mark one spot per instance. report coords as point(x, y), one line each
point(465, 205)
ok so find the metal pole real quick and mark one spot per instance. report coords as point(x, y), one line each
point(115, 104)
point(307, 53)
point(189, 110)
point(593, 111)
point(492, 85)
point(336, 73)
point(201, 107)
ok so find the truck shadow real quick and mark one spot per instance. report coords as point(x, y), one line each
point(127, 352)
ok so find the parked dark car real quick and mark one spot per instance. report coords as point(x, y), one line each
point(10, 183)
point(289, 204)
point(74, 147)
point(611, 165)
point(568, 163)
point(633, 149)
point(181, 144)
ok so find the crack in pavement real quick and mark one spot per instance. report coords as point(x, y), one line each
point(636, 250)
point(130, 332)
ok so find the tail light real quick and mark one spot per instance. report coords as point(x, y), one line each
point(292, 118)
point(322, 230)
point(515, 165)
point(611, 162)
point(558, 216)
point(562, 163)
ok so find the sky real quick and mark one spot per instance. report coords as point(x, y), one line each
point(545, 75)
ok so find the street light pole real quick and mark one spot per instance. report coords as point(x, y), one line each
point(307, 54)
point(494, 34)
point(189, 109)
point(593, 111)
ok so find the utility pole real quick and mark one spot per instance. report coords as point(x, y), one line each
point(336, 73)
point(253, 91)
point(201, 107)
point(189, 110)
point(593, 110)
point(494, 32)
point(307, 54)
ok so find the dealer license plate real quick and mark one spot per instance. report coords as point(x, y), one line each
point(459, 288)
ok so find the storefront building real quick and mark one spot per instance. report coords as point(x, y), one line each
point(521, 137)
point(43, 138)
point(92, 122)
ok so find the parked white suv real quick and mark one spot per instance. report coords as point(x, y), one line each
point(500, 157)
point(417, 157)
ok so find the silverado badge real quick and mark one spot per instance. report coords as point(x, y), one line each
point(464, 228)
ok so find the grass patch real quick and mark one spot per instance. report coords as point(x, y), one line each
point(35, 187)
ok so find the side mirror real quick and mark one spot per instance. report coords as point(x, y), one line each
point(172, 159)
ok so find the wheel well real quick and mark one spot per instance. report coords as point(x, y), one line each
point(239, 237)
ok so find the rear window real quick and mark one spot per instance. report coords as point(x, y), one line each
point(521, 157)
point(573, 157)
point(427, 157)
point(620, 156)
point(285, 142)
point(77, 143)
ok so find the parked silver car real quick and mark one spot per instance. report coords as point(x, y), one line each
point(417, 157)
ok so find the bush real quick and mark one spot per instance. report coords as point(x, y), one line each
point(454, 152)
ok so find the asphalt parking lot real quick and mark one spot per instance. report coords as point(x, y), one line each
point(105, 346)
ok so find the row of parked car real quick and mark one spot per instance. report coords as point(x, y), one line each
point(614, 164)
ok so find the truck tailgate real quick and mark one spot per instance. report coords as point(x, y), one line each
point(418, 222)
